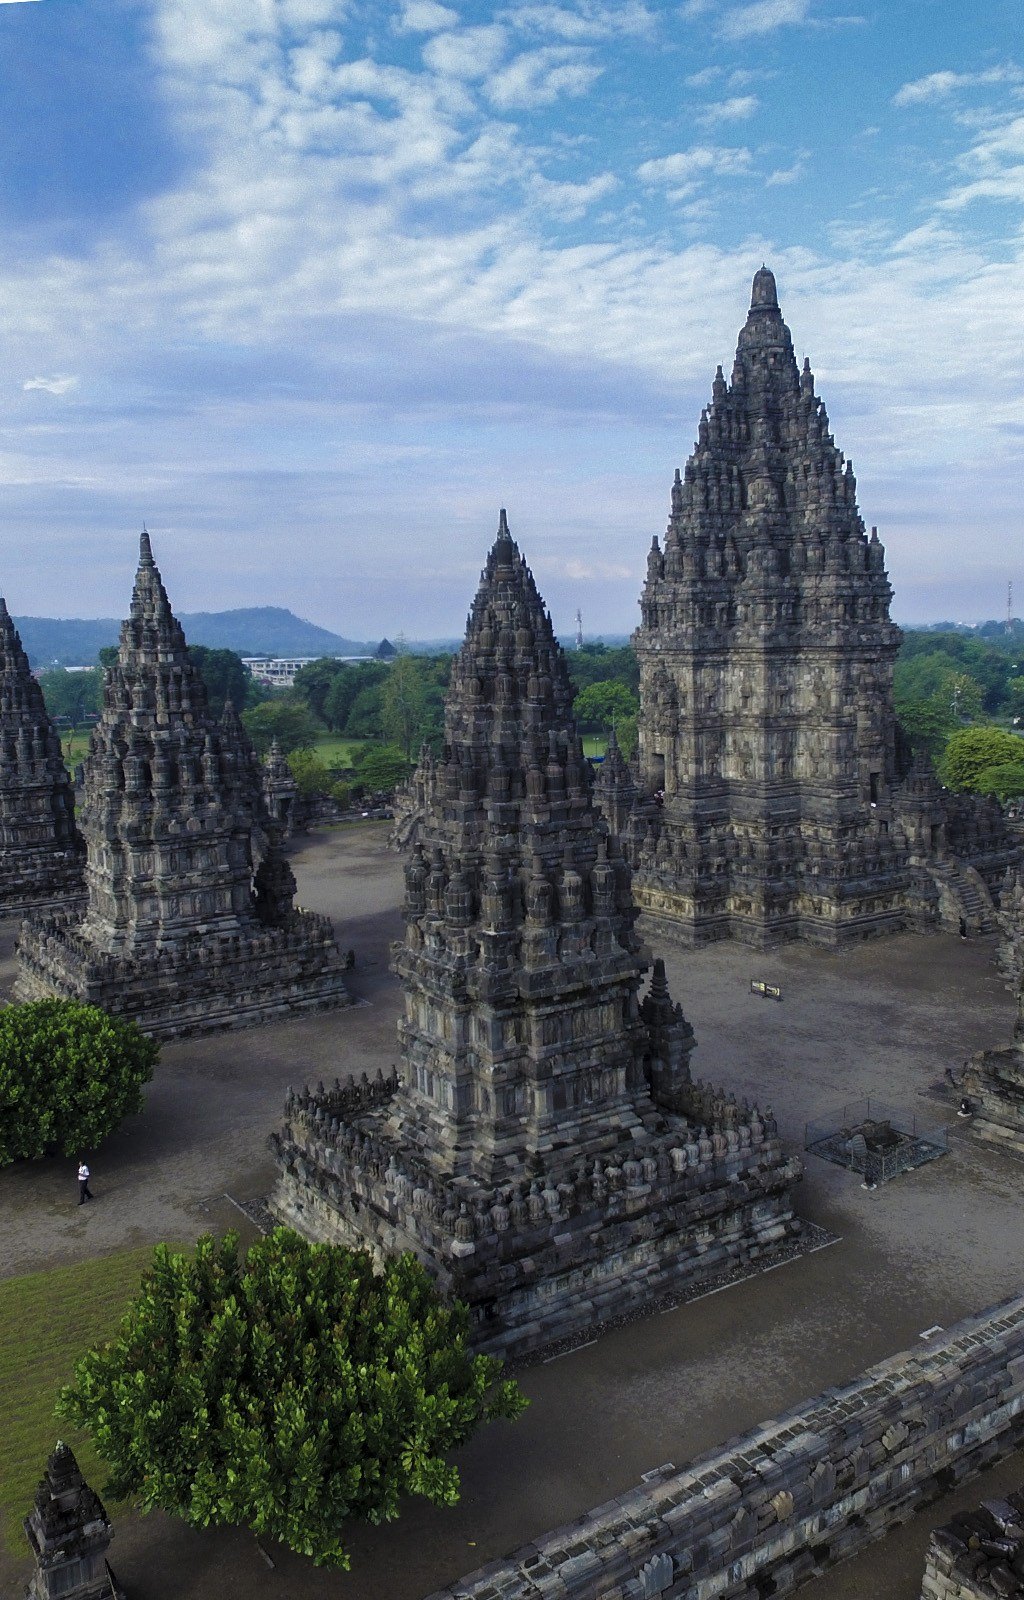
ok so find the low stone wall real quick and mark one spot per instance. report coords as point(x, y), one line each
point(979, 1555)
point(541, 1260)
point(775, 1506)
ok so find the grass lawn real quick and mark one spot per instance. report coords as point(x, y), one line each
point(47, 1320)
point(594, 744)
point(335, 751)
point(74, 746)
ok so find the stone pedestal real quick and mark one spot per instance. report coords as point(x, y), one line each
point(70, 1535)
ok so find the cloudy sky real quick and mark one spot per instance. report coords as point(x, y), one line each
point(315, 286)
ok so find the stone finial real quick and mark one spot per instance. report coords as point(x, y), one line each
point(764, 294)
point(69, 1533)
point(503, 528)
point(145, 549)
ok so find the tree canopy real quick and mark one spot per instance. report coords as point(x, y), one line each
point(69, 1075)
point(603, 705)
point(1006, 782)
point(71, 694)
point(285, 1390)
point(969, 751)
point(286, 719)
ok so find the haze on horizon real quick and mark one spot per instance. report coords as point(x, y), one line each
point(313, 286)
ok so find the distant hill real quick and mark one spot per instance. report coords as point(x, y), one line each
point(252, 631)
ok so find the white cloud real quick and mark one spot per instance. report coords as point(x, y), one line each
point(470, 53)
point(571, 200)
point(786, 175)
point(736, 109)
point(763, 16)
point(538, 77)
point(426, 16)
point(938, 86)
point(59, 384)
point(587, 20)
point(682, 173)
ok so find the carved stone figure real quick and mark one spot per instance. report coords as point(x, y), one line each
point(179, 932)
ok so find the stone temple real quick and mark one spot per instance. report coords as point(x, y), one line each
point(543, 1149)
point(41, 852)
point(183, 930)
point(782, 801)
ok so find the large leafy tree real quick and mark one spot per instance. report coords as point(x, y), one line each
point(403, 703)
point(970, 751)
point(71, 694)
point(286, 1390)
point(602, 705)
point(1005, 782)
point(286, 719)
point(69, 1075)
point(225, 675)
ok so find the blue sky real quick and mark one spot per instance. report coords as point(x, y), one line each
point(315, 286)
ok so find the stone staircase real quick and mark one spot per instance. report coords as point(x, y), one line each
point(962, 893)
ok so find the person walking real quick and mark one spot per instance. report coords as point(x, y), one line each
point(84, 1192)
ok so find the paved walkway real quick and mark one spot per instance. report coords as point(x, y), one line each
point(883, 1020)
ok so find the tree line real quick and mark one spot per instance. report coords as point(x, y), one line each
point(945, 682)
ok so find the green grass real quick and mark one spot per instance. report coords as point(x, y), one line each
point(74, 746)
point(335, 751)
point(594, 744)
point(47, 1320)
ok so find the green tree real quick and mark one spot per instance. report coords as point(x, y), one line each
point(286, 719)
point(927, 723)
point(380, 768)
point(312, 776)
point(365, 714)
point(1005, 782)
point(969, 751)
point(597, 663)
point(69, 1075)
point(403, 702)
point(225, 675)
point(285, 1391)
point(604, 704)
point(72, 694)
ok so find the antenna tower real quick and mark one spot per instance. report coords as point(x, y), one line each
point(1009, 606)
point(579, 630)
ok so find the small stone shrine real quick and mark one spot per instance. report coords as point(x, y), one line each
point(182, 931)
point(70, 1535)
point(777, 795)
point(279, 790)
point(41, 853)
point(978, 1555)
point(543, 1150)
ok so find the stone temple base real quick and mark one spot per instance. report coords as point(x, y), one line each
point(200, 985)
point(41, 881)
point(540, 1259)
point(993, 1082)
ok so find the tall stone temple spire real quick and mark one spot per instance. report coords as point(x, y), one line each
point(543, 1148)
point(182, 929)
point(767, 734)
point(41, 853)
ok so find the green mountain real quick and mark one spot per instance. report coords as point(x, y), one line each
point(252, 631)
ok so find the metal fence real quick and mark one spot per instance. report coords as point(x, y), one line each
point(877, 1141)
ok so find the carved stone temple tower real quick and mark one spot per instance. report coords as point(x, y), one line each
point(41, 853)
point(69, 1533)
point(544, 1150)
point(181, 930)
point(768, 742)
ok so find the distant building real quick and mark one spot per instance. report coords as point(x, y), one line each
point(279, 671)
point(385, 651)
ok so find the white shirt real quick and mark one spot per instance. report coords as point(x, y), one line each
point(83, 1173)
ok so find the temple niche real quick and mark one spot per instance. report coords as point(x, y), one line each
point(41, 851)
point(183, 930)
point(543, 1148)
point(778, 798)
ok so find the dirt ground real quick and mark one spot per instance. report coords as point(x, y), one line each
point(884, 1020)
